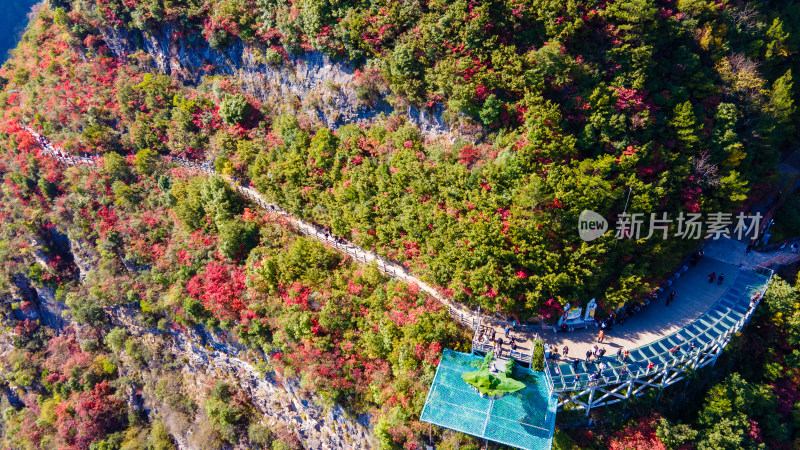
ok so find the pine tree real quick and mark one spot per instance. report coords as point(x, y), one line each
point(726, 149)
point(783, 108)
point(686, 127)
point(777, 47)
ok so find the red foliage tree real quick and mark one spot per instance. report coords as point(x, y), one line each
point(88, 416)
point(641, 434)
point(220, 287)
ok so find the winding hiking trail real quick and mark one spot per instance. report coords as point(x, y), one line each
point(695, 297)
point(390, 268)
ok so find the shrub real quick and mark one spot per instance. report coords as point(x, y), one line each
point(272, 57)
point(537, 363)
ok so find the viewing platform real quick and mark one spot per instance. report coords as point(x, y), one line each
point(523, 419)
point(660, 362)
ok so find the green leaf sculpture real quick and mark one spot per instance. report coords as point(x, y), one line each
point(489, 384)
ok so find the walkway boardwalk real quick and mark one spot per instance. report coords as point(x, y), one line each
point(694, 296)
point(733, 252)
point(390, 268)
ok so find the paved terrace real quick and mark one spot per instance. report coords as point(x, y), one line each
point(694, 296)
point(734, 252)
point(671, 342)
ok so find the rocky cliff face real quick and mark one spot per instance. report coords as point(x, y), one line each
point(325, 88)
point(281, 401)
point(209, 357)
point(82, 257)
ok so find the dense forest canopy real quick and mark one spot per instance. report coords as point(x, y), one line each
point(550, 108)
point(679, 106)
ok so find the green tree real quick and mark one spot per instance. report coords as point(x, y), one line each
point(783, 108)
point(323, 148)
point(237, 238)
point(674, 436)
point(146, 161)
point(225, 412)
point(778, 44)
point(490, 112)
point(726, 148)
point(235, 109)
point(728, 410)
point(85, 310)
point(406, 72)
point(115, 339)
point(686, 126)
point(219, 201)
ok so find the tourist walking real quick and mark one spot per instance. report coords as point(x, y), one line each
point(696, 257)
point(625, 356)
point(670, 297)
point(575, 363)
point(712, 276)
point(601, 336)
point(619, 354)
point(588, 355)
point(783, 247)
point(601, 352)
point(795, 248)
point(594, 351)
point(566, 351)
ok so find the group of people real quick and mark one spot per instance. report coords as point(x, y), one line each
point(488, 336)
point(43, 141)
point(598, 353)
point(336, 239)
point(628, 312)
point(622, 356)
point(713, 276)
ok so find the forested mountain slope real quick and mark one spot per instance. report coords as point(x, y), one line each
point(686, 107)
point(529, 113)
